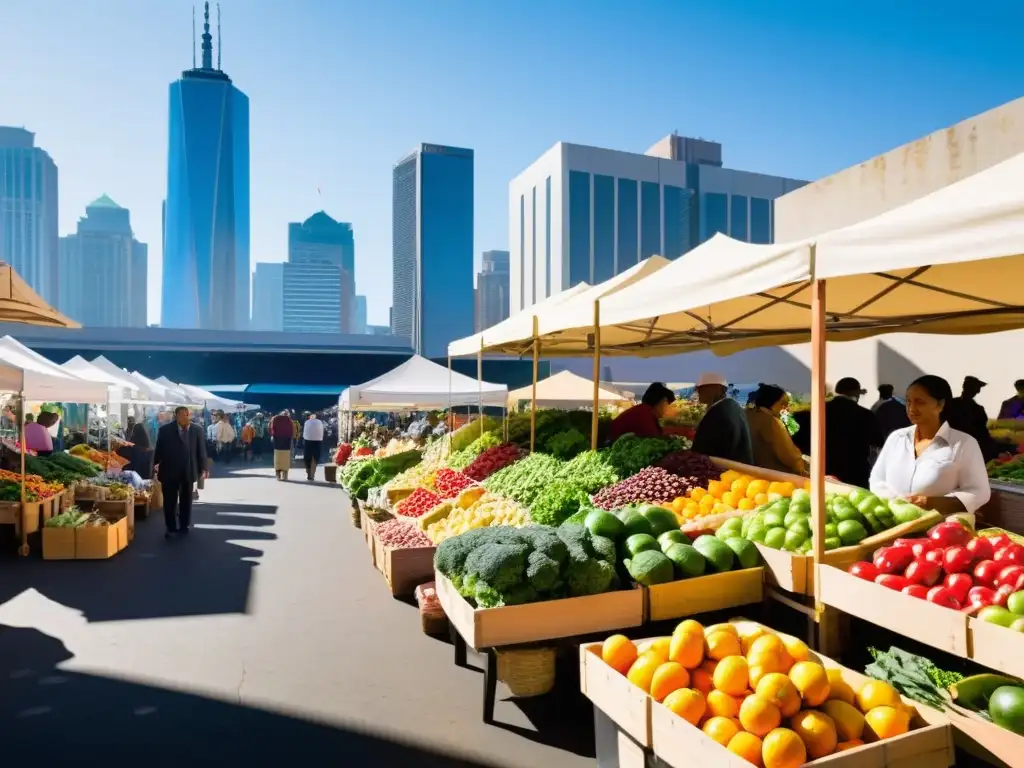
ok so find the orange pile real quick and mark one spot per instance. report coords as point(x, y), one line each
point(731, 492)
point(760, 695)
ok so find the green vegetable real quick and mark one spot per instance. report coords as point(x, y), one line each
point(650, 567)
point(566, 445)
point(719, 556)
point(911, 675)
point(590, 470)
point(556, 502)
point(523, 481)
point(1006, 708)
point(603, 523)
point(687, 560)
point(629, 454)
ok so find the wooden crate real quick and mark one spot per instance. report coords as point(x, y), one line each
point(87, 492)
point(625, 704)
point(996, 647)
point(119, 508)
point(85, 543)
point(702, 594)
point(405, 569)
point(11, 513)
point(534, 622)
point(67, 499)
point(987, 741)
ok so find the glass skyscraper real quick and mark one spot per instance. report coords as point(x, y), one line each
point(206, 238)
point(319, 278)
point(28, 211)
point(268, 296)
point(432, 248)
point(492, 289)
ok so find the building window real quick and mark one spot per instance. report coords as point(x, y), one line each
point(604, 228)
point(678, 205)
point(760, 220)
point(547, 237)
point(579, 227)
point(628, 224)
point(716, 214)
point(650, 219)
point(533, 248)
point(522, 251)
point(738, 220)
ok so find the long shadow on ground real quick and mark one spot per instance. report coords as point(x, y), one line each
point(207, 573)
point(53, 717)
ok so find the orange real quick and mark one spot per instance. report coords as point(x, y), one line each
point(885, 722)
point(707, 502)
point(746, 504)
point(796, 648)
point(678, 503)
point(687, 646)
point(748, 635)
point(755, 487)
point(709, 666)
point(739, 485)
point(619, 653)
point(660, 646)
point(875, 693)
point(688, 625)
point(759, 499)
point(721, 729)
point(758, 716)
point(670, 676)
point(786, 488)
point(842, 746)
point(698, 493)
point(780, 691)
point(730, 476)
point(839, 688)
point(782, 748)
point(722, 643)
point(687, 703)
point(849, 722)
point(811, 680)
point(769, 652)
point(731, 676)
point(721, 704)
point(702, 681)
point(731, 499)
point(641, 673)
point(747, 746)
point(817, 731)
point(716, 488)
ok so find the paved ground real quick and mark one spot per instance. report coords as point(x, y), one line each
point(266, 636)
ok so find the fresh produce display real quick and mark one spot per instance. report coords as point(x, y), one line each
point(448, 483)
point(524, 480)
point(913, 676)
point(851, 518)
point(36, 488)
point(104, 458)
point(500, 566)
point(418, 503)
point(590, 471)
point(421, 474)
point(359, 476)
point(550, 424)
point(462, 459)
point(956, 569)
point(696, 468)
point(565, 445)
point(650, 485)
point(398, 534)
point(558, 501)
point(396, 446)
point(994, 697)
point(342, 454)
point(460, 439)
point(62, 468)
point(493, 459)
point(725, 493)
point(758, 694)
point(630, 454)
point(76, 518)
point(120, 492)
point(482, 512)
point(1009, 469)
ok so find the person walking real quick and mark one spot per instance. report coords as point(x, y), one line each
point(248, 436)
point(225, 435)
point(282, 434)
point(312, 440)
point(179, 461)
point(259, 425)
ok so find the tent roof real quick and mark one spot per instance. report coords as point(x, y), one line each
point(20, 304)
point(119, 386)
point(22, 370)
point(158, 391)
point(565, 388)
point(419, 384)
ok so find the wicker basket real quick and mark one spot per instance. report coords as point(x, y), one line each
point(354, 511)
point(527, 671)
point(331, 473)
point(378, 515)
point(432, 616)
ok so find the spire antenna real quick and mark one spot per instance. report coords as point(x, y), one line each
point(193, 37)
point(218, 36)
point(207, 38)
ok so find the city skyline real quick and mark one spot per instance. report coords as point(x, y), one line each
point(774, 113)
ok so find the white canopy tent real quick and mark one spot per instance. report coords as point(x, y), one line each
point(158, 391)
point(419, 385)
point(567, 390)
point(144, 395)
point(30, 374)
point(120, 388)
point(215, 402)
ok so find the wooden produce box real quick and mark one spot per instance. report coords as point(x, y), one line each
point(141, 505)
point(11, 513)
point(987, 741)
point(115, 509)
point(534, 622)
point(714, 592)
point(366, 525)
point(87, 492)
point(405, 569)
point(996, 647)
point(625, 704)
point(85, 543)
point(67, 499)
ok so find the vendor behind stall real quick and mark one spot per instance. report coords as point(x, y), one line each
point(642, 419)
point(723, 431)
point(773, 447)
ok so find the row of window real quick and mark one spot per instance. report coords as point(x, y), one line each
point(728, 214)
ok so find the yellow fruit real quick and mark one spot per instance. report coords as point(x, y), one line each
point(670, 676)
point(619, 653)
point(748, 635)
point(739, 485)
point(811, 680)
point(641, 673)
point(730, 476)
point(721, 729)
point(746, 504)
point(731, 676)
point(759, 499)
point(875, 693)
point(756, 673)
point(782, 748)
point(688, 625)
point(849, 722)
point(722, 643)
point(687, 646)
point(885, 722)
point(702, 681)
point(817, 731)
point(786, 488)
point(678, 504)
point(796, 648)
point(755, 487)
point(839, 688)
point(758, 716)
point(766, 643)
point(731, 499)
point(747, 746)
point(842, 746)
point(780, 691)
point(687, 703)
point(716, 488)
point(698, 493)
point(769, 653)
point(659, 646)
point(721, 704)
point(707, 501)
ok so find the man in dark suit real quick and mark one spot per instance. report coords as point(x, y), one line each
point(723, 432)
point(851, 431)
point(179, 461)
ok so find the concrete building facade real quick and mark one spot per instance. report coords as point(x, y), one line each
point(492, 300)
point(268, 296)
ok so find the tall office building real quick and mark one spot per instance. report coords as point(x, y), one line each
point(584, 214)
point(359, 325)
point(492, 289)
point(28, 211)
point(268, 296)
point(103, 269)
point(206, 238)
point(432, 247)
point(319, 278)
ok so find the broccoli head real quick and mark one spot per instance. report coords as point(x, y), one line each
point(591, 577)
point(497, 565)
point(544, 539)
point(604, 549)
point(451, 554)
point(542, 573)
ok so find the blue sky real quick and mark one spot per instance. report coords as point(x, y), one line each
point(341, 89)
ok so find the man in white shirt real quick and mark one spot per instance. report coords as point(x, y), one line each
point(312, 440)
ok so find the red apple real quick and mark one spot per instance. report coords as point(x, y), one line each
point(956, 560)
point(922, 546)
point(980, 548)
point(981, 596)
point(950, 534)
point(1009, 574)
point(866, 571)
point(1012, 554)
point(892, 581)
point(894, 560)
point(916, 590)
point(935, 556)
point(923, 572)
point(987, 571)
point(998, 542)
point(959, 584)
point(944, 597)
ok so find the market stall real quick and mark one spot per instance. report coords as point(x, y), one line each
point(567, 390)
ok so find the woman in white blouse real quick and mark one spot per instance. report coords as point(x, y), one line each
point(929, 463)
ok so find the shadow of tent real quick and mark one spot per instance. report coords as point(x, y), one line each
point(54, 717)
point(893, 368)
point(208, 573)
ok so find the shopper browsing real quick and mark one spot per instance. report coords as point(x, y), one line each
point(312, 440)
point(642, 419)
point(723, 431)
point(772, 445)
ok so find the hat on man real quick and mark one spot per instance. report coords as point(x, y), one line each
point(849, 386)
point(974, 381)
point(709, 379)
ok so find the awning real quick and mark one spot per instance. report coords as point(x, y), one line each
point(419, 385)
point(565, 390)
point(25, 371)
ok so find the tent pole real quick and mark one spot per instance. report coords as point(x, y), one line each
point(533, 391)
point(23, 549)
point(480, 384)
point(597, 374)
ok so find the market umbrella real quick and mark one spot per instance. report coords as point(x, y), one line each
point(20, 304)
